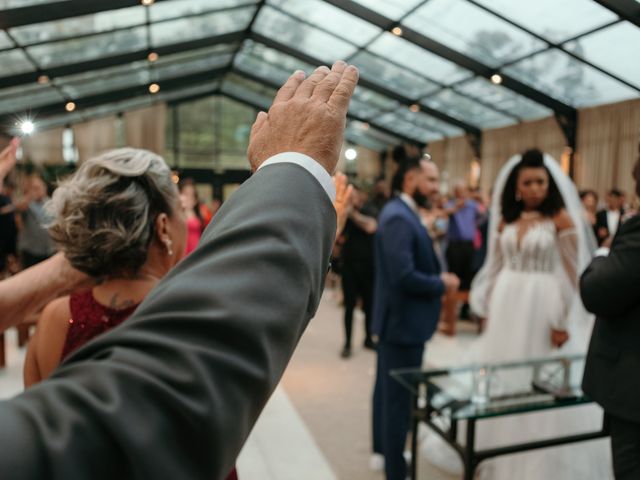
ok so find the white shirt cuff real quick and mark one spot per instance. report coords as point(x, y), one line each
point(602, 252)
point(310, 165)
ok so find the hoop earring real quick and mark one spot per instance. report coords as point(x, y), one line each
point(518, 197)
point(168, 243)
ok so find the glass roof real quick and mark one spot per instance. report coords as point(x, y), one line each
point(563, 77)
point(557, 56)
point(596, 48)
point(468, 29)
point(553, 20)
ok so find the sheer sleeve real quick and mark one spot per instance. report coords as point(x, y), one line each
point(568, 249)
point(483, 284)
point(494, 270)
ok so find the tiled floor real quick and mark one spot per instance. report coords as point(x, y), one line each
point(316, 425)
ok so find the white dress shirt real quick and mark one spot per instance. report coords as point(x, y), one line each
point(310, 165)
point(613, 220)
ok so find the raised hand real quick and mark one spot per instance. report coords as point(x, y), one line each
point(307, 116)
point(8, 158)
point(342, 203)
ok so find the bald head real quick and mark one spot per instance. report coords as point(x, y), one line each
point(423, 180)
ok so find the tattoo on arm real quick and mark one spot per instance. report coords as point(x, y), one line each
point(120, 305)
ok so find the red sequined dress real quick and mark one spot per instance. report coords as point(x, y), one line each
point(90, 319)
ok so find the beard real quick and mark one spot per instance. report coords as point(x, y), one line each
point(420, 199)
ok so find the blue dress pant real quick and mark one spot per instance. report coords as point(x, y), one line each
point(392, 406)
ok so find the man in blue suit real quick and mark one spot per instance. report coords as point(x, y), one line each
point(408, 288)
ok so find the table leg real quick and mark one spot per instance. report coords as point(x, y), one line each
point(469, 451)
point(415, 421)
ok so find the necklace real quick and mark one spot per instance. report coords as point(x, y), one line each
point(530, 215)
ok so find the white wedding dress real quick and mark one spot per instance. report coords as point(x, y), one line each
point(529, 285)
point(529, 297)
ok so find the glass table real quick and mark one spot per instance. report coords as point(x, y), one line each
point(443, 398)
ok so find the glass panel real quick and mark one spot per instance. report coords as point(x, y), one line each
point(14, 62)
point(6, 4)
point(248, 90)
point(612, 49)
point(4, 41)
point(417, 125)
point(555, 21)
point(180, 8)
point(407, 128)
point(193, 28)
point(26, 98)
point(472, 31)
point(418, 59)
point(282, 28)
point(89, 48)
point(235, 126)
point(100, 81)
point(428, 122)
point(71, 27)
point(569, 80)
point(394, 9)
point(363, 134)
point(465, 109)
point(330, 18)
point(196, 65)
point(173, 95)
point(268, 63)
point(378, 70)
point(367, 103)
point(197, 132)
point(503, 98)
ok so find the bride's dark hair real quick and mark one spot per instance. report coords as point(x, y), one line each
point(512, 208)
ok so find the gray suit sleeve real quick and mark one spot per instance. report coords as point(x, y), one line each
point(175, 390)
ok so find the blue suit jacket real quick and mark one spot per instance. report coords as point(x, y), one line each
point(408, 288)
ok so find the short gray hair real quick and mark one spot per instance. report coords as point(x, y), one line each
point(104, 214)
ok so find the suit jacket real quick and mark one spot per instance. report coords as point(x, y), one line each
point(602, 222)
point(174, 391)
point(408, 288)
point(610, 288)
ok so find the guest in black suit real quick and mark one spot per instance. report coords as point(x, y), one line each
point(609, 288)
point(608, 220)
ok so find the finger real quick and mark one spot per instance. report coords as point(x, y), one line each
point(348, 195)
point(10, 149)
point(257, 125)
point(326, 87)
point(344, 91)
point(340, 182)
point(308, 86)
point(289, 88)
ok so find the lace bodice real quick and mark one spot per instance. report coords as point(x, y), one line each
point(541, 249)
point(536, 251)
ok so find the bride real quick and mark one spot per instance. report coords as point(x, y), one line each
point(527, 291)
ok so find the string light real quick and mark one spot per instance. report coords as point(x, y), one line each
point(496, 78)
point(70, 107)
point(154, 88)
point(397, 31)
point(27, 127)
point(350, 154)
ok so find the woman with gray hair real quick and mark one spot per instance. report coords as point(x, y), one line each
point(119, 220)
